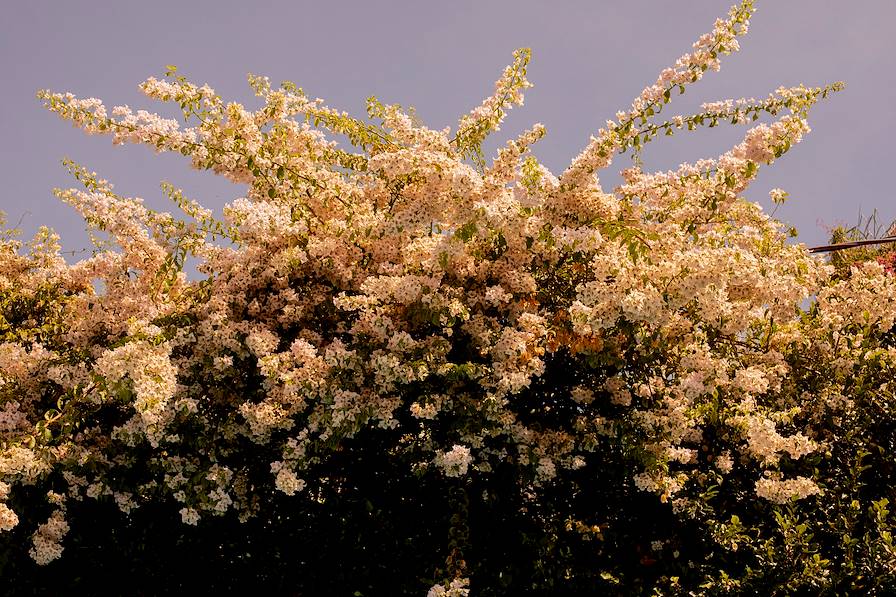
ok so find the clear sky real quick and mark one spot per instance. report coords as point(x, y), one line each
point(590, 58)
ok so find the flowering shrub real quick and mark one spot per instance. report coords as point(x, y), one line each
point(867, 230)
point(407, 368)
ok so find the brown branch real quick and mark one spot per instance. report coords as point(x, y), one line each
point(852, 244)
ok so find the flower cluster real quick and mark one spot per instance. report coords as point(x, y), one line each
point(47, 539)
point(455, 462)
point(781, 491)
point(459, 587)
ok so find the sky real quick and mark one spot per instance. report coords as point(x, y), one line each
point(590, 59)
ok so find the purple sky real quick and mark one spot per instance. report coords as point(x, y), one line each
point(590, 58)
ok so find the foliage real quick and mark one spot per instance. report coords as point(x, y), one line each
point(407, 369)
point(869, 228)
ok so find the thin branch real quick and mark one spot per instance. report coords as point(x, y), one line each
point(852, 244)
